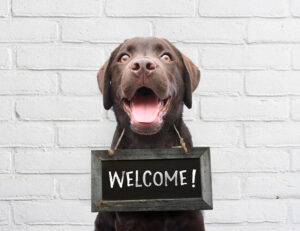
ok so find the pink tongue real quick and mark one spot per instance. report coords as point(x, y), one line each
point(145, 108)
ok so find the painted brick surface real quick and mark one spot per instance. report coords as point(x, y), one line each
point(64, 8)
point(28, 135)
point(59, 108)
point(28, 31)
point(51, 58)
point(52, 161)
point(272, 83)
point(247, 57)
point(6, 107)
point(244, 8)
point(157, 8)
point(246, 108)
point(101, 30)
point(24, 187)
point(4, 8)
point(5, 164)
point(200, 31)
point(5, 58)
point(28, 82)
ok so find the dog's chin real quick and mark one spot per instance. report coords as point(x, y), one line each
point(146, 129)
point(146, 111)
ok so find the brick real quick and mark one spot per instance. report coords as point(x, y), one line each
point(28, 31)
point(232, 227)
point(88, 135)
point(204, 31)
point(27, 135)
point(60, 161)
point(284, 186)
point(101, 30)
point(246, 57)
point(191, 114)
point(249, 160)
point(226, 187)
point(26, 187)
point(229, 227)
point(214, 134)
point(295, 204)
point(110, 115)
point(167, 8)
point(295, 162)
point(4, 8)
point(227, 212)
point(5, 163)
point(244, 8)
point(269, 31)
point(58, 228)
point(245, 107)
point(220, 83)
point(63, 8)
point(296, 109)
point(53, 212)
point(224, 109)
point(295, 8)
point(59, 108)
point(272, 83)
point(271, 226)
point(5, 58)
point(242, 211)
point(296, 58)
point(79, 83)
point(272, 134)
point(6, 109)
point(74, 58)
point(267, 211)
point(13, 228)
point(189, 50)
point(74, 187)
point(27, 82)
point(4, 213)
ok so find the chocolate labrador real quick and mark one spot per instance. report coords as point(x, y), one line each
point(146, 81)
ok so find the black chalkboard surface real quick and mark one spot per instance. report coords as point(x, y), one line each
point(151, 179)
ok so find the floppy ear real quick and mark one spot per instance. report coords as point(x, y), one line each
point(104, 79)
point(191, 79)
point(191, 76)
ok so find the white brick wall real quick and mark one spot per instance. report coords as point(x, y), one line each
point(28, 31)
point(52, 8)
point(246, 108)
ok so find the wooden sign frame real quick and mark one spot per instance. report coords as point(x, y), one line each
point(203, 202)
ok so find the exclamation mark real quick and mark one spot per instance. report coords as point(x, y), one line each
point(193, 178)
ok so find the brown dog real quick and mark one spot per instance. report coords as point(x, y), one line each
point(146, 81)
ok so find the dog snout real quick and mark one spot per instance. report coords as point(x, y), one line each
point(143, 66)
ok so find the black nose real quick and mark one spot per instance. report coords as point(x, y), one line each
point(143, 66)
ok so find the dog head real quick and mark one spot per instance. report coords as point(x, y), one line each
point(146, 80)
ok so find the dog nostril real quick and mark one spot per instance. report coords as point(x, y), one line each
point(135, 66)
point(150, 66)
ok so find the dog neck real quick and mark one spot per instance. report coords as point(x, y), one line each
point(165, 138)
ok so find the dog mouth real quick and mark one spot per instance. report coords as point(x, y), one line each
point(146, 108)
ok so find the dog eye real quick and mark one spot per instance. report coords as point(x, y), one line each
point(165, 58)
point(124, 58)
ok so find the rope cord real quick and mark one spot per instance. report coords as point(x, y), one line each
point(111, 152)
point(183, 145)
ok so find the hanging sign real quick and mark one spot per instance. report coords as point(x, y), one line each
point(151, 180)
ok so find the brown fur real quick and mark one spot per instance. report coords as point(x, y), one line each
point(178, 79)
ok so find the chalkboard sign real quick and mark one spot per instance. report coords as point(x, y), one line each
point(151, 180)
